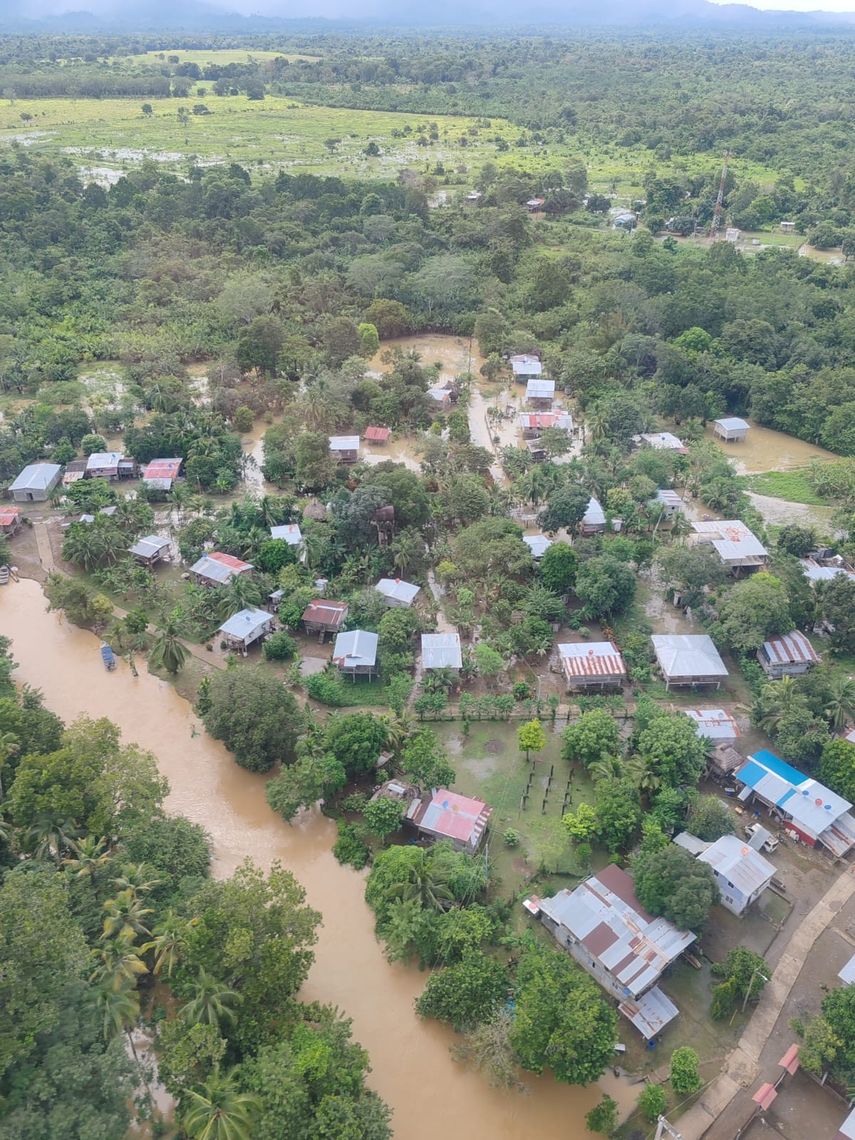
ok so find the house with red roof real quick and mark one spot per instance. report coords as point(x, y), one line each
point(447, 815)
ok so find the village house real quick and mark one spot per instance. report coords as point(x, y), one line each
point(246, 627)
point(323, 617)
point(160, 474)
point(723, 761)
point(788, 227)
point(787, 655)
point(441, 651)
point(604, 927)
point(473, 197)
point(731, 429)
point(731, 234)
point(10, 520)
point(663, 441)
point(525, 366)
point(376, 434)
point(355, 653)
point(688, 659)
point(111, 465)
point(536, 450)
point(217, 569)
point(397, 592)
point(35, 483)
point(623, 219)
point(818, 572)
point(344, 448)
point(75, 469)
point(669, 502)
point(531, 424)
point(593, 520)
point(151, 549)
point(441, 396)
point(538, 544)
point(288, 532)
point(740, 872)
point(713, 724)
point(540, 393)
point(811, 813)
point(738, 548)
point(445, 815)
point(592, 664)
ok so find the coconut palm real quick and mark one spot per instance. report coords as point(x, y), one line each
point(776, 703)
point(48, 838)
point(217, 1110)
point(88, 856)
point(168, 651)
point(607, 768)
point(117, 965)
point(241, 593)
point(398, 731)
point(211, 1003)
point(642, 775)
point(166, 944)
point(136, 877)
point(840, 708)
point(408, 550)
point(10, 746)
point(273, 510)
point(427, 882)
point(404, 921)
point(124, 916)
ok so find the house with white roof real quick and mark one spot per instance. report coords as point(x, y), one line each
point(787, 655)
point(104, 465)
point(540, 393)
point(688, 659)
point(344, 448)
point(741, 873)
point(713, 724)
point(817, 572)
point(397, 592)
point(246, 627)
point(604, 927)
point(538, 544)
point(594, 518)
point(669, 503)
point(355, 653)
point(737, 546)
point(810, 812)
point(288, 532)
point(35, 483)
point(731, 429)
point(592, 664)
point(442, 651)
point(525, 366)
point(663, 441)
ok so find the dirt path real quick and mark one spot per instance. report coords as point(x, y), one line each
point(43, 544)
point(726, 1104)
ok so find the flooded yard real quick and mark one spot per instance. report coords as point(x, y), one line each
point(768, 450)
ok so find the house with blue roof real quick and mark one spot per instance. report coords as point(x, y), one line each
point(810, 811)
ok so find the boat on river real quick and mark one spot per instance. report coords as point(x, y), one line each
point(108, 657)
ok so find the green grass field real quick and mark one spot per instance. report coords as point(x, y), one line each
point(794, 486)
point(221, 56)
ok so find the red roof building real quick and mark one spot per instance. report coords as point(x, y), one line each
point(162, 473)
point(323, 617)
point(10, 520)
point(448, 815)
point(374, 434)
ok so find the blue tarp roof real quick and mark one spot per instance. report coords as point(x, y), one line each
point(780, 767)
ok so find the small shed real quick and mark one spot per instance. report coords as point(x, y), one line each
point(160, 474)
point(397, 592)
point(447, 815)
point(151, 549)
point(35, 483)
point(525, 366)
point(731, 429)
point(246, 627)
point(669, 502)
point(441, 651)
point(375, 434)
point(75, 469)
point(344, 448)
point(787, 655)
point(788, 227)
point(688, 659)
point(713, 724)
point(731, 234)
point(594, 519)
point(323, 617)
point(540, 393)
point(288, 532)
point(724, 761)
point(217, 569)
point(441, 396)
point(103, 465)
point(10, 520)
point(663, 441)
point(355, 653)
point(538, 544)
point(592, 664)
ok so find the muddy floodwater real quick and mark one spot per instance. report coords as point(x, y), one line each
point(430, 1094)
point(767, 450)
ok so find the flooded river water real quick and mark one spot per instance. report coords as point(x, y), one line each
point(430, 1094)
point(766, 450)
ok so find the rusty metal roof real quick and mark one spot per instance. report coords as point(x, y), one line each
point(592, 659)
point(790, 649)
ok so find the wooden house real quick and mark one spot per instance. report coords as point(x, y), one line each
point(246, 627)
point(731, 429)
point(323, 617)
point(150, 550)
point(344, 448)
point(355, 654)
point(10, 520)
point(688, 659)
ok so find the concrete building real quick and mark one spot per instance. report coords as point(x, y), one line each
point(246, 627)
point(740, 872)
point(787, 655)
point(688, 659)
point(397, 592)
point(604, 927)
point(540, 393)
point(442, 651)
point(160, 474)
point(525, 366)
point(355, 653)
point(713, 724)
point(445, 815)
point(663, 441)
point(538, 544)
point(150, 550)
point(810, 812)
point(731, 429)
point(594, 519)
point(323, 617)
point(35, 483)
point(592, 664)
point(216, 569)
point(344, 448)
point(738, 548)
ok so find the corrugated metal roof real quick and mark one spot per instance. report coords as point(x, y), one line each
point(524, 364)
point(149, 546)
point(816, 573)
point(344, 443)
point(592, 659)
point(538, 544)
point(355, 648)
point(449, 814)
point(246, 624)
point(714, 724)
point(847, 973)
point(790, 649)
point(398, 590)
point(375, 434)
point(739, 863)
point(642, 947)
point(542, 420)
point(733, 423)
point(36, 477)
point(847, 1128)
point(663, 441)
point(539, 389)
point(732, 539)
point(441, 651)
point(668, 497)
point(8, 515)
point(650, 1013)
point(289, 532)
point(683, 656)
point(322, 612)
point(691, 843)
point(813, 808)
point(103, 459)
point(161, 470)
point(219, 567)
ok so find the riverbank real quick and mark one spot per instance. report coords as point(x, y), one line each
point(412, 1069)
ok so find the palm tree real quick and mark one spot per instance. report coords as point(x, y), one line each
point(642, 775)
point(212, 1002)
point(217, 1110)
point(408, 548)
point(404, 921)
point(120, 1011)
point(168, 651)
point(117, 965)
point(166, 944)
point(607, 768)
point(427, 882)
point(88, 856)
point(124, 916)
point(841, 702)
point(273, 510)
point(780, 702)
point(241, 593)
point(398, 731)
point(49, 838)
point(10, 746)
point(135, 877)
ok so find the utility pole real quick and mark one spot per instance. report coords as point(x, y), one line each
point(754, 974)
point(715, 224)
point(664, 1127)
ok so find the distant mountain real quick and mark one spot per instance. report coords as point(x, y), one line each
point(197, 16)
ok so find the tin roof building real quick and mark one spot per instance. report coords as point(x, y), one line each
point(35, 483)
point(397, 592)
point(160, 474)
point(525, 365)
point(217, 569)
point(538, 544)
point(441, 651)
point(787, 655)
point(731, 428)
point(447, 815)
point(539, 391)
point(737, 546)
point(536, 421)
point(288, 532)
point(663, 441)
point(591, 664)
point(606, 929)
point(323, 617)
point(816, 572)
point(714, 724)
point(688, 659)
point(151, 549)
point(741, 873)
point(246, 627)
point(355, 653)
point(376, 434)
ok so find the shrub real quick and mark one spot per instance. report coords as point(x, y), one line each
point(280, 646)
point(685, 1078)
point(327, 688)
point(652, 1102)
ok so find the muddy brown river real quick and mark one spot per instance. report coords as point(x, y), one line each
point(430, 1094)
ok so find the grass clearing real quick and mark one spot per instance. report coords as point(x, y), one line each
point(220, 56)
point(794, 486)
